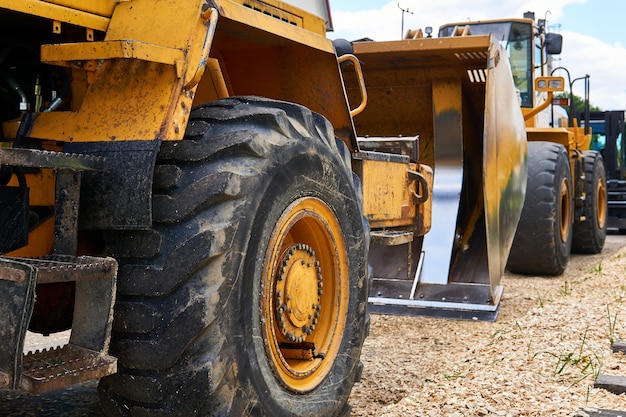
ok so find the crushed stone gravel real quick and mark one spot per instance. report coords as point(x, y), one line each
point(539, 358)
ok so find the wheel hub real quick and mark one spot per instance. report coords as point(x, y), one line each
point(298, 290)
point(601, 204)
point(564, 221)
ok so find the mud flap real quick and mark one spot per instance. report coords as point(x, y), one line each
point(13, 217)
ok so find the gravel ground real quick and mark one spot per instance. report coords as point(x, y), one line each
point(539, 358)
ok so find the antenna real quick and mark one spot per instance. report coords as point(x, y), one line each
point(403, 12)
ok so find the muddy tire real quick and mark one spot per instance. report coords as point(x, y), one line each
point(249, 295)
point(590, 234)
point(543, 239)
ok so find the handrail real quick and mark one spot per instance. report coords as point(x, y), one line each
point(359, 75)
point(209, 16)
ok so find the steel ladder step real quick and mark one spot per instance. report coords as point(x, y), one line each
point(50, 369)
point(85, 357)
point(391, 237)
point(62, 268)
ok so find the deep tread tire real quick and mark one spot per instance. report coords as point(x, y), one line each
point(590, 234)
point(543, 239)
point(187, 328)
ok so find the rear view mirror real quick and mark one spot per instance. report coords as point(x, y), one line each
point(554, 43)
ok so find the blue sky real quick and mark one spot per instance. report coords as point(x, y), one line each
point(603, 19)
point(594, 39)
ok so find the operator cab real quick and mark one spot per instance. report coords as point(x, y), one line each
point(523, 41)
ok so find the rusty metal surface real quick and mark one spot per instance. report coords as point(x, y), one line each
point(17, 298)
point(95, 294)
point(132, 99)
point(66, 211)
point(59, 268)
point(121, 196)
point(68, 167)
point(399, 77)
point(48, 159)
point(80, 400)
point(81, 16)
point(85, 357)
point(47, 370)
point(426, 53)
point(399, 145)
point(388, 189)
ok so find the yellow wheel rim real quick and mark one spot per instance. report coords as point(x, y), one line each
point(304, 294)
point(601, 203)
point(564, 224)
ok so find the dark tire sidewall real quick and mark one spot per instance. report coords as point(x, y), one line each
point(334, 190)
point(537, 247)
point(589, 237)
point(563, 248)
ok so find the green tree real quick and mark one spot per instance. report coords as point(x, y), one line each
point(579, 103)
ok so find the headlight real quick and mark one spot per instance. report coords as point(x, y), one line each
point(556, 84)
point(550, 84)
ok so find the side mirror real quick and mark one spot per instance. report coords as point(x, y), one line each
point(554, 43)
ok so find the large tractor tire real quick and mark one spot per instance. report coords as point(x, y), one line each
point(543, 239)
point(249, 295)
point(590, 234)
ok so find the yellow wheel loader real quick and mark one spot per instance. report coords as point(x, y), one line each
point(191, 187)
point(566, 198)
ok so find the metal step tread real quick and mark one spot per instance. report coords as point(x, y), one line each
point(55, 368)
point(65, 54)
point(50, 159)
point(391, 237)
point(62, 268)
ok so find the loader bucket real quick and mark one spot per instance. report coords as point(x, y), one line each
point(456, 95)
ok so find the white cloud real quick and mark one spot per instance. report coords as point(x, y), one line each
point(604, 63)
point(385, 22)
